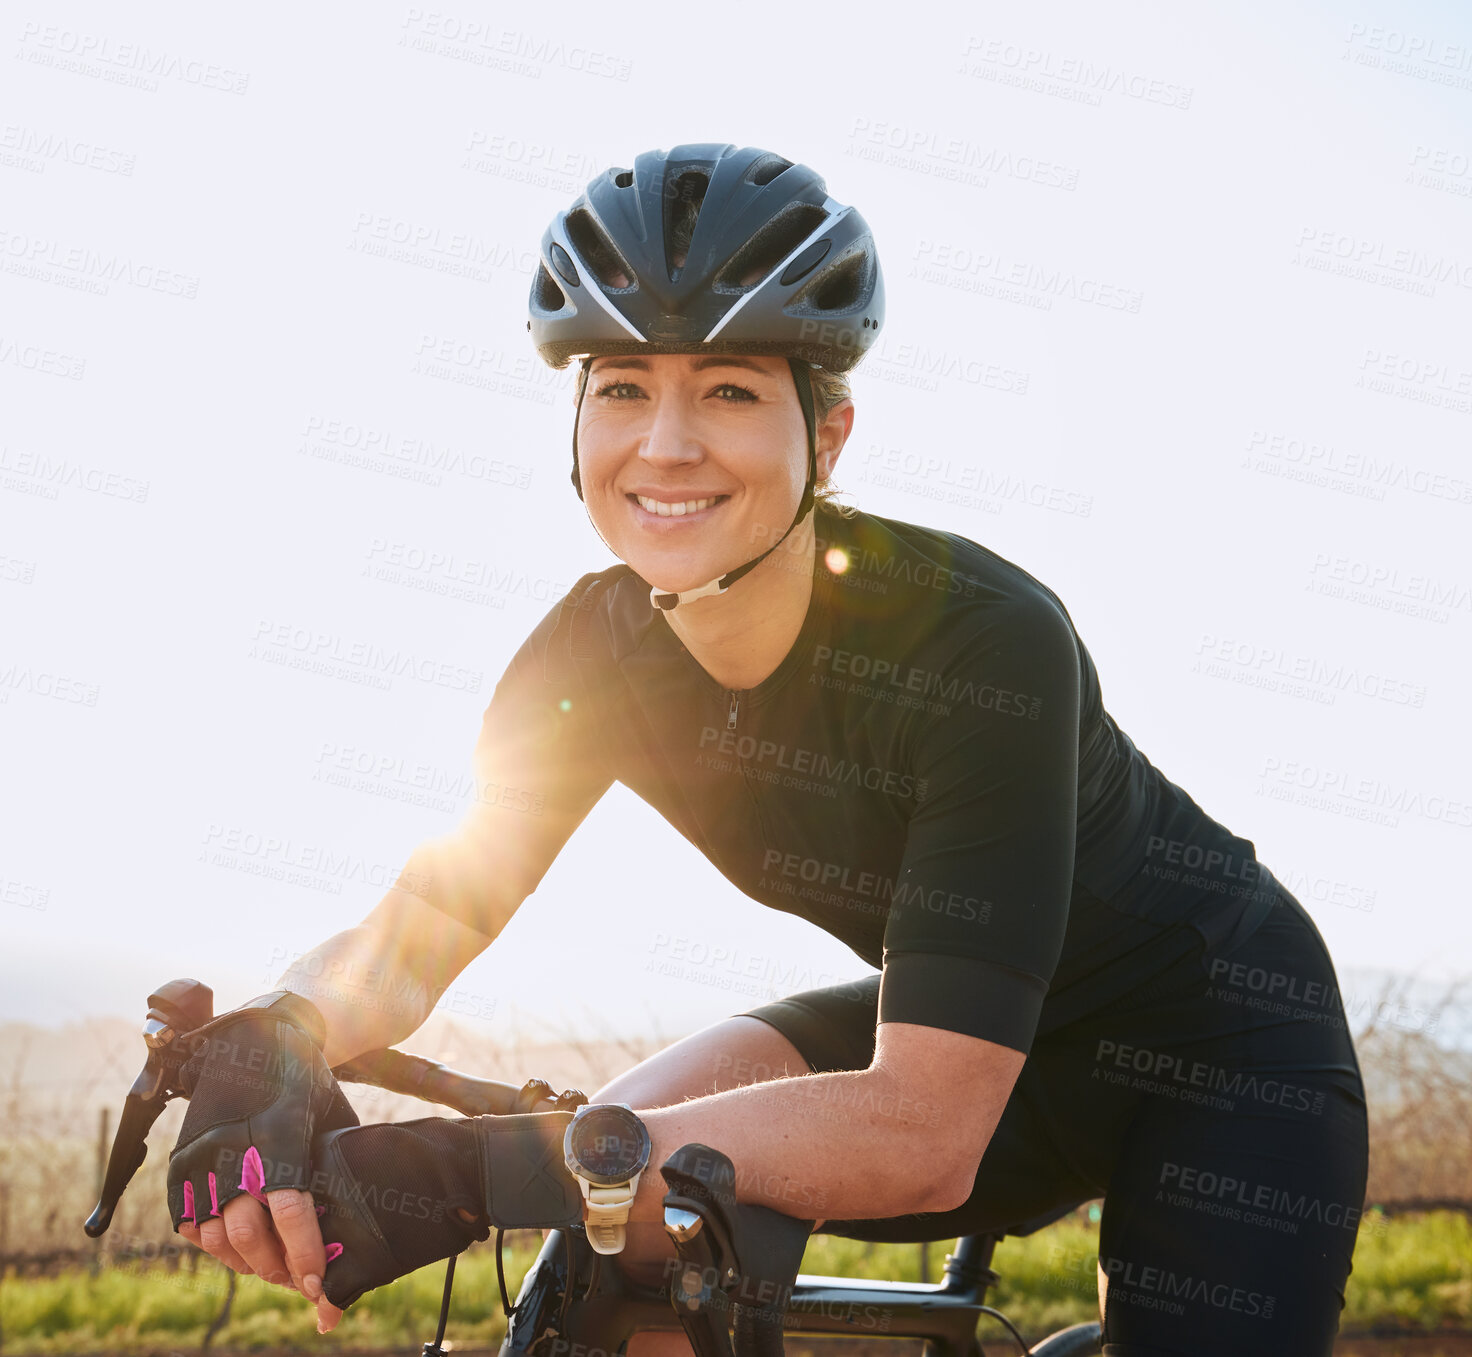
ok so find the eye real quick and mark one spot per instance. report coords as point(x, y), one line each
point(615, 386)
point(746, 393)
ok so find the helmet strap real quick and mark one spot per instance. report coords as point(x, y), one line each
point(577, 478)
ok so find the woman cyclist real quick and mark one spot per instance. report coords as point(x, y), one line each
point(1083, 984)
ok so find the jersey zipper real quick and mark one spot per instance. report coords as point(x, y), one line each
point(731, 715)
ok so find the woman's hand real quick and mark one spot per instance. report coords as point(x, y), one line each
point(282, 1246)
point(259, 1090)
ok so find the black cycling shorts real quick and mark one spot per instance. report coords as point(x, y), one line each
point(1222, 1120)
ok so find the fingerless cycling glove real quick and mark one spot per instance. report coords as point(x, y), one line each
point(393, 1193)
point(259, 1090)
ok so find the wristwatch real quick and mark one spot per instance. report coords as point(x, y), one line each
point(606, 1148)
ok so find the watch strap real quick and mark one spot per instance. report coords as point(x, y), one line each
point(526, 1184)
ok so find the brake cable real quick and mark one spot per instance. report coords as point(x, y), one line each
point(998, 1315)
point(437, 1349)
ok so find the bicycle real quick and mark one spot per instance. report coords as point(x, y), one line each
point(734, 1287)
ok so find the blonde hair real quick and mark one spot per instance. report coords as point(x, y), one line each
point(829, 390)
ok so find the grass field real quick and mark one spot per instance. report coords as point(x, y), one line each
point(1411, 1273)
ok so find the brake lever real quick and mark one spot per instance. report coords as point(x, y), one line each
point(734, 1254)
point(174, 1010)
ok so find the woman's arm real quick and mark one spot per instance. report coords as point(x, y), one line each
point(375, 983)
point(539, 770)
point(906, 1135)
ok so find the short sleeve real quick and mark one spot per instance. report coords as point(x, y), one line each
point(981, 900)
point(539, 766)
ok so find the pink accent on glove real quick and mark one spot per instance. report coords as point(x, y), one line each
point(253, 1176)
point(214, 1197)
point(189, 1203)
point(334, 1251)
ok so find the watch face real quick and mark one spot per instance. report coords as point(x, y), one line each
point(609, 1143)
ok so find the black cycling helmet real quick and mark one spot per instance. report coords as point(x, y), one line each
point(710, 249)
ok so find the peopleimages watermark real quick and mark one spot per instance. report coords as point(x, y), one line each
point(375, 987)
point(926, 683)
point(525, 161)
point(1441, 168)
point(48, 260)
point(723, 967)
point(483, 44)
point(1423, 381)
point(1299, 675)
point(1363, 475)
point(932, 476)
point(959, 159)
point(409, 457)
point(990, 273)
point(1372, 584)
point(1169, 1074)
point(463, 363)
point(36, 358)
point(282, 858)
point(396, 778)
point(23, 894)
point(1360, 257)
point(355, 661)
point(1362, 797)
point(436, 570)
point(122, 63)
point(850, 1094)
point(39, 473)
point(1233, 1198)
point(30, 148)
point(1156, 1287)
point(1204, 867)
point(888, 895)
point(1078, 79)
point(23, 678)
point(818, 765)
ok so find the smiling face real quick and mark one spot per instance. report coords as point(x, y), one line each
point(691, 464)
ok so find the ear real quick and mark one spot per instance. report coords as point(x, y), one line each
point(832, 434)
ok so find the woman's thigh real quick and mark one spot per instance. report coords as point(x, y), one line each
point(1235, 1196)
point(728, 1054)
point(1231, 1232)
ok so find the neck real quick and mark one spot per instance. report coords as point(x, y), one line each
point(740, 637)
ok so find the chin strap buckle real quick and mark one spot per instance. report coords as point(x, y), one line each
point(667, 602)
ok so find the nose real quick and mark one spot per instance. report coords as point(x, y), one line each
point(672, 439)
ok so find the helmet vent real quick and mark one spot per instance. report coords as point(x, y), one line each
point(764, 171)
point(770, 246)
point(623, 179)
point(598, 252)
point(683, 196)
point(840, 287)
point(547, 295)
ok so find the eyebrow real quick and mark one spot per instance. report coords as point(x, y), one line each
point(712, 361)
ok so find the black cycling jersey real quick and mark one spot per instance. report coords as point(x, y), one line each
point(929, 775)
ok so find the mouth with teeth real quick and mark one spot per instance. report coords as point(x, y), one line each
point(689, 508)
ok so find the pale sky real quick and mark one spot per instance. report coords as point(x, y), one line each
point(1178, 316)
